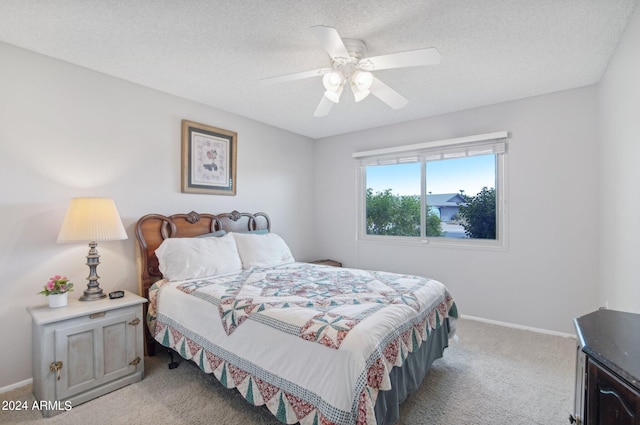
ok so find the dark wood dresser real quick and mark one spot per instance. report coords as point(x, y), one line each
point(608, 369)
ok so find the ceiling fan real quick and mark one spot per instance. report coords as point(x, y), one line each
point(350, 67)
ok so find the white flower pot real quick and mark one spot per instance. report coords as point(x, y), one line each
point(57, 300)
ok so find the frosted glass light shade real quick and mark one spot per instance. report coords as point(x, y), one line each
point(361, 82)
point(91, 219)
point(333, 96)
point(362, 79)
point(332, 80)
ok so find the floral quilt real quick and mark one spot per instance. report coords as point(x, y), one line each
point(329, 305)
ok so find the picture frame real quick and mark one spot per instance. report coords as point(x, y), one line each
point(208, 159)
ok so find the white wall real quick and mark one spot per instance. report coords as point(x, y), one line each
point(548, 274)
point(66, 131)
point(619, 114)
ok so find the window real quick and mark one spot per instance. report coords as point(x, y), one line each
point(449, 192)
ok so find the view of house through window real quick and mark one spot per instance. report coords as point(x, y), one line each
point(457, 200)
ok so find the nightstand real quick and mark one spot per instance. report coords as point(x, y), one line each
point(327, 263)
point(86, 349)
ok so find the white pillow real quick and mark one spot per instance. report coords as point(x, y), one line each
point(265, 250)
point(190, 258)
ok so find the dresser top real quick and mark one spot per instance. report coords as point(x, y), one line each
point(612, 338)
point(42, 314)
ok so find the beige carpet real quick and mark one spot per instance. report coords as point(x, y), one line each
point(491, 375)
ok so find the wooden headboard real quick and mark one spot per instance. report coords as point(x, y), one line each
point(152, 229)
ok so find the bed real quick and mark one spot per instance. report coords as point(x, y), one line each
point(315, 344)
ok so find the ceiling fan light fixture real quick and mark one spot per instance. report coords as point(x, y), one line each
point(334, 96)
point(332, 81)
point(359, 95)
point(362, 80)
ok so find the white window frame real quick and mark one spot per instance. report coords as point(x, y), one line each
point(490, 143)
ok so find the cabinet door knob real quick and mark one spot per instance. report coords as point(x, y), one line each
point(134, 322)
point(56, 367)
point(135, 361)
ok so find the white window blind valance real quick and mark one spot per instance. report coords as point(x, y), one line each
point(484, 144)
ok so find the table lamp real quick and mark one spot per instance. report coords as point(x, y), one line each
point(92, 220)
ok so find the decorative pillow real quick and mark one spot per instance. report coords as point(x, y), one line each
point(262, 250)
point(190, 258)
point(254, 232)
point(215, 234)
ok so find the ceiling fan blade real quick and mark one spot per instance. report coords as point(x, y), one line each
point(331, 41)
point(295, 76)
point(388, 95)
point(420, 57)
point(323, 108)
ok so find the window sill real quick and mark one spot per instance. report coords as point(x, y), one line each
point(475, 244)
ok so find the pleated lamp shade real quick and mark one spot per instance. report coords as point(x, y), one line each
point(91, 219)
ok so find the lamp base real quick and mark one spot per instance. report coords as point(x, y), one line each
point(93, 291)
point(90, 295)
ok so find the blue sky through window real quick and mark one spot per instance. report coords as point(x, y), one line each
point(470, 174)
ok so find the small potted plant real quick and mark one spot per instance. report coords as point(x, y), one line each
point(56, 289)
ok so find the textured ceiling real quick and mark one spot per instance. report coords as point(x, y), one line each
point(214, 52)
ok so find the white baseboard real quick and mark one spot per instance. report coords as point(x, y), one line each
point(512, 325)
point(463, 316)
point(16, 385)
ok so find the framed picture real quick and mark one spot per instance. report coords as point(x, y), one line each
point(208, 159)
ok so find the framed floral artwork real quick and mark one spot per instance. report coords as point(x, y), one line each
point(208, 159)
